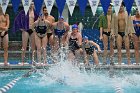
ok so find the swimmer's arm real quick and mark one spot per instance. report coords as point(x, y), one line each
point(101, 26)
point(53, 19)
point(112, 25)
point(101, 31)
point(7, 23)
point(132, 18)
point(80, 40)
point(33, 26)
point(131, 27)
point(47, 23)
point(53, 27)
point(67, 30)
point(96, 45)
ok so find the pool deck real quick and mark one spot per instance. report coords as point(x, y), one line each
point(29, 66)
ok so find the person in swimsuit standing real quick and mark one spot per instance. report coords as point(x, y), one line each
point(41, 27)
point(24, 23)
point(4, 25)
point(51, 19)
point(136, 23)
point(122, 27)
point(105, 34)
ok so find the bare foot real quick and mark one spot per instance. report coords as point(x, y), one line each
point(22, 64)
point(6, 64)
point(119, 63)
point(45, 64)
point(129, 63)
point(137, 63)
point(39, 64)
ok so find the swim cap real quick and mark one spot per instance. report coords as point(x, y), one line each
point(85, 37)
point(61, 17)
point(74, 26)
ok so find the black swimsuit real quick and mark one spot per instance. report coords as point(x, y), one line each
point(122, 34)
point(89, 48)
point(4, 34)
point(41, 29)
point(73, 45)
point(106, 33)
point(30, 31)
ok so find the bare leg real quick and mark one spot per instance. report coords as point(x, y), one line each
point(86, 59)
point(55, 45)
point(5, 46)
point(105, 43)
point(38, 44)
point(77, 56)
point(119, 46)
point(32, 38)
point(95, 57)
point(44, 44)
point(111, 51)
point(127, 49)
point(25, 37)
point(51, 42)
point(71, 56)
point(136, 46)
point(0, 42)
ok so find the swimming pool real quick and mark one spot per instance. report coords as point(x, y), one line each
point(65, 78)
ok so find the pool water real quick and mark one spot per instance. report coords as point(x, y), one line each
point(65, 78)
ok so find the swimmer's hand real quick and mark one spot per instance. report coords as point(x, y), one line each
point(112, 36)
point(137, 24)
point(81, 51)
point(99, 51)
point(2, 33)
point(101, 37)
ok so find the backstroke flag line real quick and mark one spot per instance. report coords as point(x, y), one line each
point(117, 4)
point(93, 5)
point(82, 6)
point(105, 4)
point(128, 4)
point(49, 4)
point(4, 4)
point(15, 4)
point(60, 5)
point(26, 5)
point(38, 5)
point(71, 5)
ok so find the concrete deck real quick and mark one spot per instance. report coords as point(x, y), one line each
point(29, 66)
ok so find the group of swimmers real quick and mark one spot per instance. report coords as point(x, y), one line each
point(42, 31)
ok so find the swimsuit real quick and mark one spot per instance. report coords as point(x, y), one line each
point(73, 45)
point(59, 32)
point(137, 29)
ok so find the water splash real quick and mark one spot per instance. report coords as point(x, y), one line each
point(65, 73)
